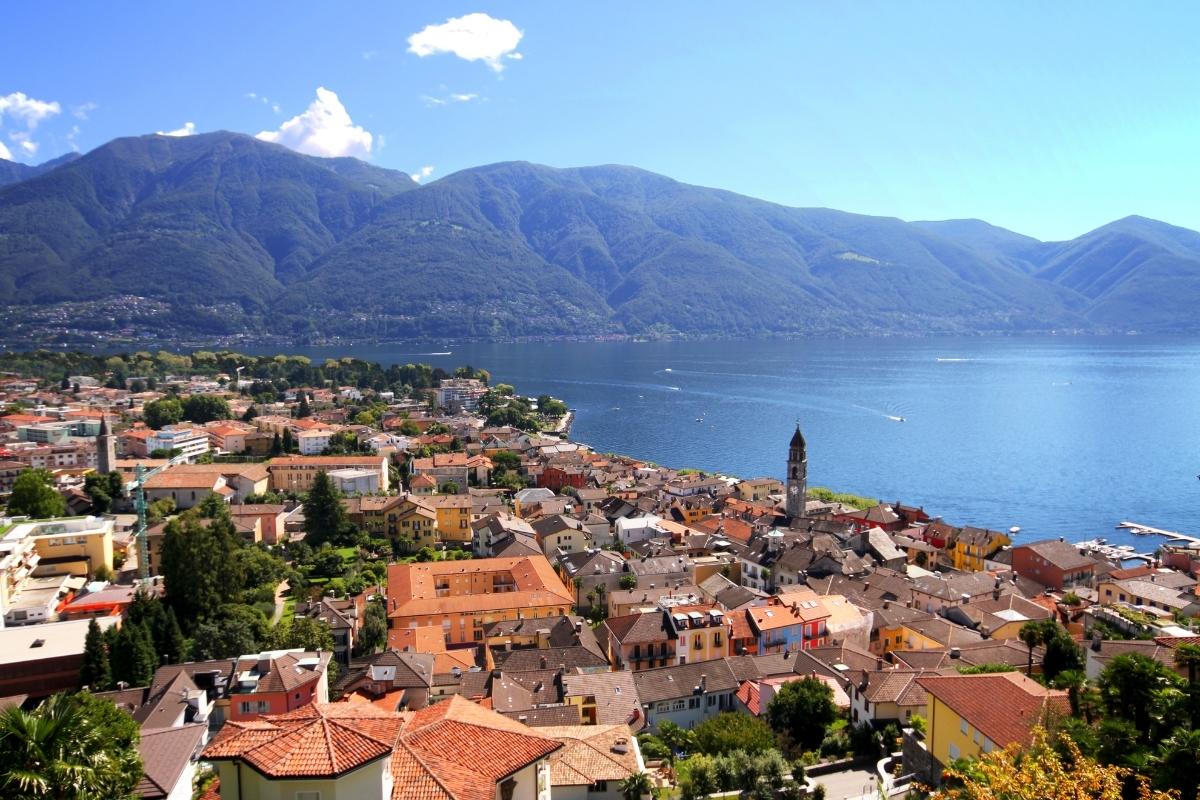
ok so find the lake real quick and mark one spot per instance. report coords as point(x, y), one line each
point(1062, 436)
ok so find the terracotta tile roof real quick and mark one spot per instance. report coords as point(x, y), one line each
point(284, 672)
point(411, 587)
point(1004, 706)
point(646, 627)
point(615, 693)
point(750, 696)
point(317, 740)
point(591, 753)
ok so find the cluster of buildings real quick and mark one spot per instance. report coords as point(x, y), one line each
point(607, 596)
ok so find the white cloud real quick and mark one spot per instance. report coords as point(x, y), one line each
point(5, 153)
point(423, 173)
point(26, 111)
point(187, 130)
point(72, 136)
point(82, 111)
point(30, 111)
point(474, 37)
point(324, 129)
point(458, 97)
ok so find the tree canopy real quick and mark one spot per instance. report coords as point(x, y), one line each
point(34, 495)
point(801, 711)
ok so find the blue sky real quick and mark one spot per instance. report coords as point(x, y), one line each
point(1050, 119)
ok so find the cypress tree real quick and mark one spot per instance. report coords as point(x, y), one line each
point(96, 673)
point(288, 444)
point(324, 515)
point(276, 445)
point(303, 410)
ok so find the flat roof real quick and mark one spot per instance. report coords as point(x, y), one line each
point(57, 639)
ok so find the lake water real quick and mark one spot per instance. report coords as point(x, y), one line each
point(1060, 436)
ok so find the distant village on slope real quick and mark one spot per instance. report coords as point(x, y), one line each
point(314, 580)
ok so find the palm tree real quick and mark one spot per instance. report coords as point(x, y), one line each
point(1073, 681)
point(1031, 635)
point(577, 582)
point(57, 751)
point(1187, 656)
point(1176, 761)
point(637, 786)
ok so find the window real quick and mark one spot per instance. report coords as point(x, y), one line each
point(693, 702)
point(963, 727)
point(954, 751)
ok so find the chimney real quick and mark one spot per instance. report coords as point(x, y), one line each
point(543, 662)
point(887, 604)
point(955, 652)
point(879, 663)
point(996, 592)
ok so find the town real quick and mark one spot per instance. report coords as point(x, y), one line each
point(270, 577)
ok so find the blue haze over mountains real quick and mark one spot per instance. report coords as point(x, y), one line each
point(271, 241)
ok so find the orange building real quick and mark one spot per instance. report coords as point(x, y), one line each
point(460, 597)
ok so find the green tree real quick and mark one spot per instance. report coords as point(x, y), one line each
point(678, 740)
point(73, 746)
point(33, 495)
point(628, 581)
point(1176, 764)
point(1061, 653)
point(731, 731)
point(103, 489)
point(1031, 634)
point(1187, 657)
point(324, 515)
point(802, 711)
point(1131, 686)
point(202, 408)
point(96, 672)
point(1073, 681)
point(303, 410)
point(373, 635)
point(194, 591)
point(449, 487)
point(132, 655)
point(162, 412)
point(637, 786)
point(308, 633)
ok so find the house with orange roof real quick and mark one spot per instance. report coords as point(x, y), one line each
point(970, 715)
point(461, 597)
point(297, 473)
point(430, 640)
point(796, 621)
point(454, 750)
point(278, 681)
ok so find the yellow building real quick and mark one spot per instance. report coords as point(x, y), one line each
point(461, 597)
point(971, 547)
point(969, 715)
point(297, 473)
point(78, 546)
point(701, 632)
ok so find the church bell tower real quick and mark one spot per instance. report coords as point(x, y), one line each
point(106, 448)
point(797, 474)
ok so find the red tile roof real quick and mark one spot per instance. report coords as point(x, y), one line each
point(453, 750)
point(1004, 706)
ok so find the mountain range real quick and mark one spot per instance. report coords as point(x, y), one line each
point(223, 234)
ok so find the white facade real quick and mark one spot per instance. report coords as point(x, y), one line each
point(638, 529)
point(313, 443)
point(191, 442)
point(355, 481)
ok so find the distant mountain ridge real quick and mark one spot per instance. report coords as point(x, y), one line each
point(234, 234)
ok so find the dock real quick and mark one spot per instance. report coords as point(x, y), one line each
point(1170, 536)
point(1119, 553)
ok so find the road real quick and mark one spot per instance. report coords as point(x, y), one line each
point(851, 784)
point(279, 602)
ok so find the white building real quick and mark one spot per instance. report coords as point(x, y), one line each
point(355, 481)
point(313, 443)
point(638, 529)
point(190, 442)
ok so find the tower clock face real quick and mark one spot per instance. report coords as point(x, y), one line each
point(794, 490)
